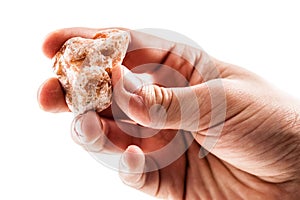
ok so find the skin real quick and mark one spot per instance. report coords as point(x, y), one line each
point(255, 156)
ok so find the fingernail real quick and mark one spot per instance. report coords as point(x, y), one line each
point(77, 127)
point(124, 165)
point(131, 82)
point(132, 161)
point(132, 166)
point(124, 168)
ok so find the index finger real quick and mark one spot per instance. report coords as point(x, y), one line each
point(144, 48)
point(56, 39)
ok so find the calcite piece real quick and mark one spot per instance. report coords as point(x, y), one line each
point(83, 67)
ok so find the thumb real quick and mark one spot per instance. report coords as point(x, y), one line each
point(159, 107)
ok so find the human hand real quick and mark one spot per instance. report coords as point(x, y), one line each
point(250, 128)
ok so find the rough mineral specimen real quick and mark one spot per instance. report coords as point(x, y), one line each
point(83, 66)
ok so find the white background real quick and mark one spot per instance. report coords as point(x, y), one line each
point(38, 159)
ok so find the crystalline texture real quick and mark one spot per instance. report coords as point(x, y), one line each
point(83, 66)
